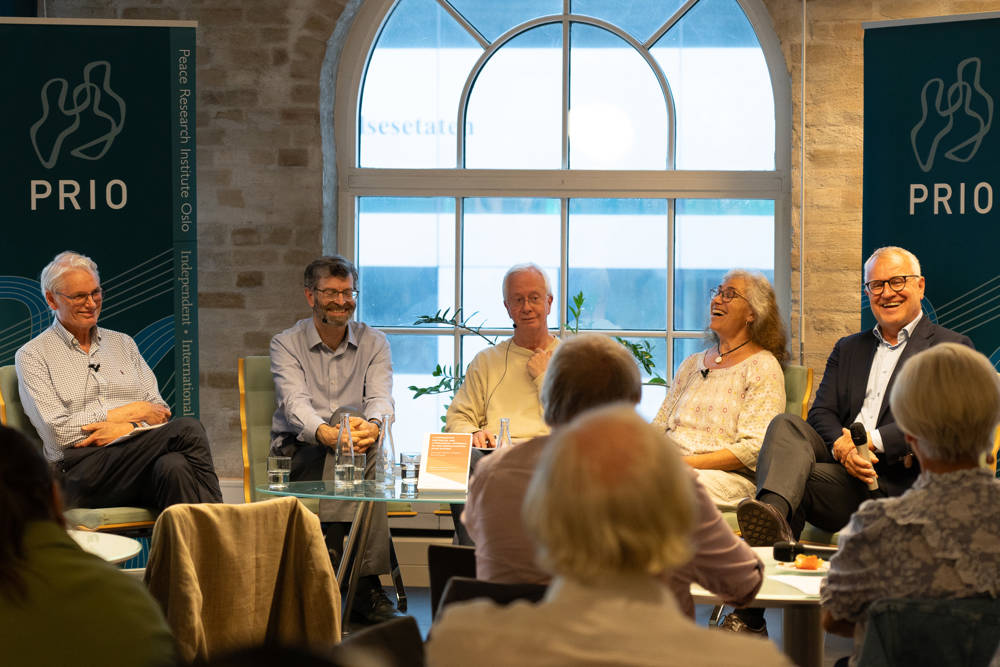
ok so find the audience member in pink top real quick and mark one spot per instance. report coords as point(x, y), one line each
point(585, 372)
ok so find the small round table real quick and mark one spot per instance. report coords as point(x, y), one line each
point(801, 632)
point(112, 548)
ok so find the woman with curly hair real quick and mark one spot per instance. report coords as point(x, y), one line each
point(723, 398)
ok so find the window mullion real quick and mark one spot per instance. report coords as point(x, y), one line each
point(668, 374)
point(565, 87)
point(459, 271)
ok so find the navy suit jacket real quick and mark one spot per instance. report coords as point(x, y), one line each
point(842, 392)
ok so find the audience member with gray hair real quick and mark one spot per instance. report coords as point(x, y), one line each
point(611, 507)
point(589, 371)
point(933, 541)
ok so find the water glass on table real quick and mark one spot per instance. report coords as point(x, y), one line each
point(409, 472)
point(279, 468)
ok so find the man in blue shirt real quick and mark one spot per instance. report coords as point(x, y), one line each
point(327, 365)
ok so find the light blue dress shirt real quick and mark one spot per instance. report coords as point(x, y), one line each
point(312, 381)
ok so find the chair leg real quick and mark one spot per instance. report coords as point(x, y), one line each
point(397, 578)
point(716, 617)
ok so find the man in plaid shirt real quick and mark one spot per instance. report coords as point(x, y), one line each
point(94, 401)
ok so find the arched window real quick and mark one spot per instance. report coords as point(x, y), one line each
point(635, 150)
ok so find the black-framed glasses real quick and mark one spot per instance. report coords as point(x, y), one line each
point(347, 294)
point(81, 298)
point(727, 294)
point(897, 283)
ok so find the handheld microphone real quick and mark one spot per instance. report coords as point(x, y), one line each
point(94, 367)
point(705, 371)
point(860, 439)
point(787, 551)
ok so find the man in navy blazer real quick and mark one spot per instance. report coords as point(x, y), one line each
point(811, 471)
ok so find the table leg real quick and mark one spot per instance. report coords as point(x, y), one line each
point(357, 542)
point(802, 635)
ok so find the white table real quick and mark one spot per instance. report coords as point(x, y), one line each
point(801, 631)
point(112, 548)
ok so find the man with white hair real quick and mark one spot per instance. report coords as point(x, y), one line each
point(505, 380)
point(811, 470)
point(611, 508)
point(95, 403)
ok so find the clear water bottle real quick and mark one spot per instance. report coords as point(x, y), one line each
point(503, 440)
point(344, 456)
point(385, 470)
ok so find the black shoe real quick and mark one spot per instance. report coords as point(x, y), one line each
point(761, 525)
point(371, 604)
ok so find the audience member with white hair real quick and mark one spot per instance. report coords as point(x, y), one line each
point(933, 541)
point(588, 371)
point(611, 508)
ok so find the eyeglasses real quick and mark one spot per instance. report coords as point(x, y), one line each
point(533, 299)
point(897, 283)
point(347, 294)
point(727, 294)
point(81, 298)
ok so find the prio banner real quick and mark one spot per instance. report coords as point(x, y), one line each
point(932, 163)
point(98, 146)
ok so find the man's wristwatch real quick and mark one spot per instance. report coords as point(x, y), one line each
point(378, 423)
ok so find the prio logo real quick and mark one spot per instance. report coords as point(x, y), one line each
point(955, 123)
point(960, 121)
point(90, 121)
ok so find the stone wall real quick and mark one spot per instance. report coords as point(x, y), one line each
point(259, 177)
point(834, 105)
point(260, 167)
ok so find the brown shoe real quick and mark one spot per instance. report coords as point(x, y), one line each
point(761, 524)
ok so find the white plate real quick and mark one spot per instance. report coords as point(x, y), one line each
point(789, 568)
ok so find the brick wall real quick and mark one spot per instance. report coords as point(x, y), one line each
point(834, 104)
point(259, 177)
point(260, 167)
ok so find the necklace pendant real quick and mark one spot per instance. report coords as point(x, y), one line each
point(718, 359)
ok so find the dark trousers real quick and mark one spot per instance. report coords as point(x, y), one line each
point(795, 463)
point(308, 463)
point(156, 468)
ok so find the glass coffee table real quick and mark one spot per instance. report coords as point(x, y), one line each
point(797, 595)
point(367, 494)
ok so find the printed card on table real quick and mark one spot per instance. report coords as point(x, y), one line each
point(444, 462)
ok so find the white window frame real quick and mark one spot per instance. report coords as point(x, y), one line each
point(349, 182)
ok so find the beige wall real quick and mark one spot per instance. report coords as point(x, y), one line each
point(834, 104)
point(260, 167)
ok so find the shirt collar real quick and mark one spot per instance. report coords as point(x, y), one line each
point(70, 339)
point(904, 334)
point(312, 335)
